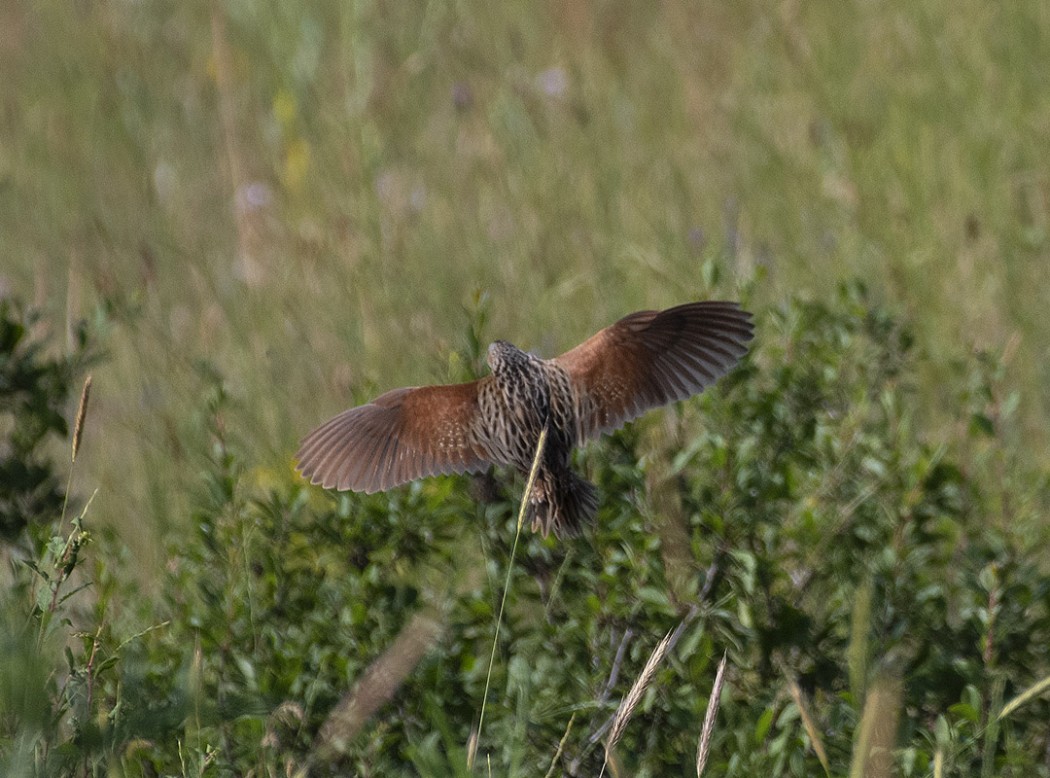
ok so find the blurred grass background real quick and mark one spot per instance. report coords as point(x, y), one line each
point(308, 198)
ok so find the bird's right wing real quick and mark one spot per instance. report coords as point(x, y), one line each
point(651, 358)
point(400, 436)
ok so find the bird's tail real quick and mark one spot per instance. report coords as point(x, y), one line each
point(562, 502)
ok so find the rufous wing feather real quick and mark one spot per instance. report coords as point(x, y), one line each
point(651, 358)
point(400, 436)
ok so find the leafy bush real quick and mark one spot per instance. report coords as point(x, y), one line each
point(34, 388)
point(47, 668)
point(827, 545)
point(855, 568)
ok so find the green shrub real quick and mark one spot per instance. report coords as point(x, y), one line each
point(829, 541)
point(34, 389)
point(856, 568)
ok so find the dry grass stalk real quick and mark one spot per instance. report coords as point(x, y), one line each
point(472, 747)
point(1032, 691)
point(809, 725)
point(691, 616)
point(860, 627)
point(703, 748)
point(285, 715)
point(78, 426)
point(877, 734)
point(634, 696)
point(378, 684)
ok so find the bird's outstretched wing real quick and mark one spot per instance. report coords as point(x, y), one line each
point(651, 358)
point(400, 436)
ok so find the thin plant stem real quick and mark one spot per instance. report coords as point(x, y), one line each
point(561, 747)
point(506, 585)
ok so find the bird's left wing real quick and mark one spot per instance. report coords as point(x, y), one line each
point(651, 358)
point(400, 436)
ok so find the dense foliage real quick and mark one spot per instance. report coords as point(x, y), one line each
point(34, 387)
point(798, 518)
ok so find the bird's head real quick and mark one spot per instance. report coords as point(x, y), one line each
point(503, 355)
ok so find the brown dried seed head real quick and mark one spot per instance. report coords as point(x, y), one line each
point(704, 746)
point(78, 426)
point(634, 696)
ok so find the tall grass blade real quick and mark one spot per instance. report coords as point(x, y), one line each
point(857, 652)
point(809, 725)
point(877, 733)
point(540, 444)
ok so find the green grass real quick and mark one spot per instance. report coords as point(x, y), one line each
point(599, 156)
point(571, 162)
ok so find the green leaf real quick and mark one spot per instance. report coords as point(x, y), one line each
point(763, 725)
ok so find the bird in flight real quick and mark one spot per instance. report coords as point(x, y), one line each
point(644, 360)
